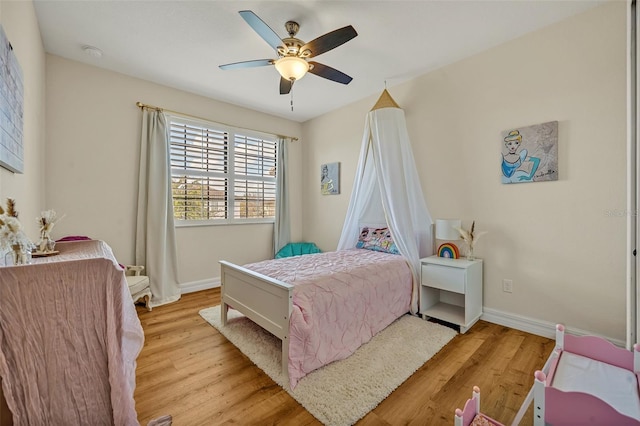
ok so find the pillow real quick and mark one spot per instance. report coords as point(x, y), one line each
point(376, 239)
point(73, 238)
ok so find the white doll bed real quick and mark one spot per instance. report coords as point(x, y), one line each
point(586, 380)
point(471, 415)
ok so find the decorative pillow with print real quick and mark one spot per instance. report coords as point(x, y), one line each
point(376, 239)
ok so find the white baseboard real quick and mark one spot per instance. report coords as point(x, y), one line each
point(529, 325)
point(194, 286)
point(535, 326)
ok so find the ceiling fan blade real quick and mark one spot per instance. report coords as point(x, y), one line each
point(329, 41)
point(329, 73)
point(261, 28)
point(247, 64)
point(285, 86)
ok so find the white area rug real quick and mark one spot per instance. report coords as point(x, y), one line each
point(344, 391)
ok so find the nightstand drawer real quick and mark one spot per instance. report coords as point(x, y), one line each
point(444, 278)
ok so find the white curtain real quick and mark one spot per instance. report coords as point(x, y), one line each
point(387, 190)
point(281, 227)
point(155, 233)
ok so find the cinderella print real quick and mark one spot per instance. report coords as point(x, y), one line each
point(517, 166)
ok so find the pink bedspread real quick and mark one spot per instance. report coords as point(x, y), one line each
point(341, 300)
point(69, 338)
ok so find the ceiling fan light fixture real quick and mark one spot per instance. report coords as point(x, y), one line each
point(292, 67)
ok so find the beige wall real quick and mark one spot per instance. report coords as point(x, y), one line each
point(93, 138)
point(555, 240)
point(21, 27)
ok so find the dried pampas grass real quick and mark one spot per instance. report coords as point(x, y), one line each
point(12, 237)
point(11, 208)
point(471, 236)
point(47, 220)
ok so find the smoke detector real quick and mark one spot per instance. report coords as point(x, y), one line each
point(92, 51)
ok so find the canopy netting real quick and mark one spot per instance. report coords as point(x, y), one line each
point(387, 191)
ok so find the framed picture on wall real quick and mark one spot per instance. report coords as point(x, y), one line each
point(330, 179)
point(530, 154)
point(11, 108)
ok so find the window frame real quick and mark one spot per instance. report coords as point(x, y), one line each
point(230, 175)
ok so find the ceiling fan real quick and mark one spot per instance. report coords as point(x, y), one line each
point(292, 63)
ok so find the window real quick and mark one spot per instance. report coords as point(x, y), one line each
point(221, 174)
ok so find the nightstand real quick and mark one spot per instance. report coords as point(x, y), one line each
point(451, 290)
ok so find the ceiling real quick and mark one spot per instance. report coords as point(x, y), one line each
point(181, 43)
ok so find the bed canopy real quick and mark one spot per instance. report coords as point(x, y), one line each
point(387, 191)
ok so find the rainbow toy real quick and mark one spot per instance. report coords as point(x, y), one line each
point(449, 250)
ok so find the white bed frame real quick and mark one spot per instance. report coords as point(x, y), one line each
point(266, 301)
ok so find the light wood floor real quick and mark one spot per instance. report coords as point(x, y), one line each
point(189, 370)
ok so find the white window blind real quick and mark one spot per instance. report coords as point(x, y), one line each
point(221, 174)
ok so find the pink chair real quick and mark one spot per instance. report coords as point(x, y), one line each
point(471, 415)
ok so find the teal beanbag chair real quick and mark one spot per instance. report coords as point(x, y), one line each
point(297, 249)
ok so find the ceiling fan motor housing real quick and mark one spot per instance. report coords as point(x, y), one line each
point(292, 44)
point(291, 47)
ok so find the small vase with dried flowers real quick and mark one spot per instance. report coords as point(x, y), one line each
point(470, 237)
point(46, 221)
point(12, 238)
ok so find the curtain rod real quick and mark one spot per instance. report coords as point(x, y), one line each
point(141, 105)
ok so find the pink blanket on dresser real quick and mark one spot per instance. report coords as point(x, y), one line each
point(340, 301)
point(69, 338)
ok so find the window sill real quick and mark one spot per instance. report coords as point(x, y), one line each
point(191, 224)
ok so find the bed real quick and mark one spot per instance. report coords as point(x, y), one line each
point(322, 306)
point(587, 380)
point(471, 415)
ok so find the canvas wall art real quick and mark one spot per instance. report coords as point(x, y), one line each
point(11, 108)
point(330, 179)
point(530, 154)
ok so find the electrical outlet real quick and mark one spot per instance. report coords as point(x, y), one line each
point(507, 286)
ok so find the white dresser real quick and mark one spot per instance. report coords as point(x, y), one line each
point(451, 290)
